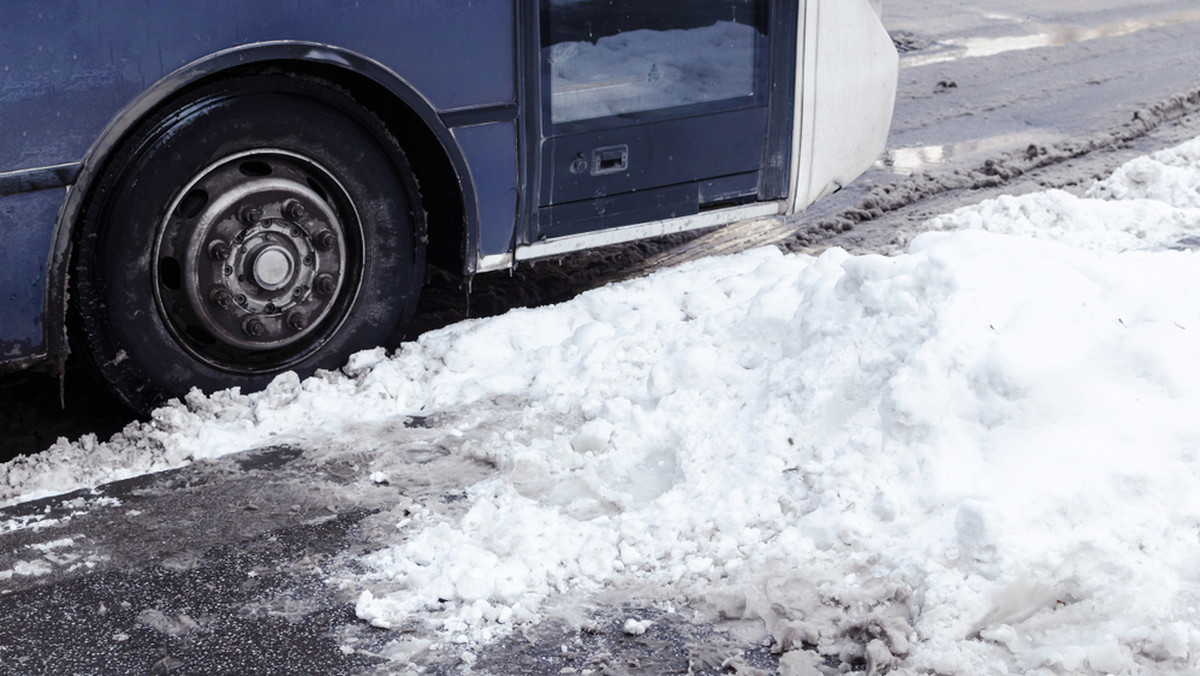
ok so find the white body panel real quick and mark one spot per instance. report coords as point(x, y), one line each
point(845, 92)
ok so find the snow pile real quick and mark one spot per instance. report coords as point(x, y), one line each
point(971, 458)
point(1167, 176)
point(1149, 203)
point(977, 457)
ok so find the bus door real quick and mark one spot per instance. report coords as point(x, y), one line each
point(657, 109)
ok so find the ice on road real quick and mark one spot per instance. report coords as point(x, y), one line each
point(980, 456)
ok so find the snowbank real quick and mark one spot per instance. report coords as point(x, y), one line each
point(977, 457)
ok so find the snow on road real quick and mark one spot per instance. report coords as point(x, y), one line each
point(977, 457)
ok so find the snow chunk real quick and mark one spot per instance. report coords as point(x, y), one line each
point(635, 627)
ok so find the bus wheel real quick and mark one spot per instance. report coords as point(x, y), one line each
point(264, 224)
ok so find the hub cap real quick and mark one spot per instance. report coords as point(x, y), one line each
point(256, 261)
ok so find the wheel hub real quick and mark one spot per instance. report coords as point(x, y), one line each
point(253, 257)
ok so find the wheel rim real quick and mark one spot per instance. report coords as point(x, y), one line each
point(257, 260)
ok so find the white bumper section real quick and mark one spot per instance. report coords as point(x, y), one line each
point(845, 92)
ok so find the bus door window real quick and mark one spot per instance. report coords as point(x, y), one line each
point(650, 110)
point(613, 58)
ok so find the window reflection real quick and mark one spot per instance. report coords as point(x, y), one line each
point(618, 57)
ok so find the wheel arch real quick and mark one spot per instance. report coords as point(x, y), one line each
point(448, 194)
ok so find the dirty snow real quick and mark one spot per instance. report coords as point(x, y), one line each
point(975, 457)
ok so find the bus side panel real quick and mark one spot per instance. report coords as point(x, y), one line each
point(68, 68)
point(26, 228)
point(491, 152)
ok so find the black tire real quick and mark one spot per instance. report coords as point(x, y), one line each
point(264, 223)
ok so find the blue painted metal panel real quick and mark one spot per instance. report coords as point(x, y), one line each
point(491, 152)
point(24, 249)
point(69, 67)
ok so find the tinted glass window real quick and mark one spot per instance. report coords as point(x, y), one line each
point(605, 58)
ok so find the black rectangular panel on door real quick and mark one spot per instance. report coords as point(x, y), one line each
point(641, 95)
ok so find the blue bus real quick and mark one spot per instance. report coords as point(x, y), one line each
point(206, 194)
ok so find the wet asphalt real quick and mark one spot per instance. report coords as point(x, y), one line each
point(232, 567)
point(210, 569)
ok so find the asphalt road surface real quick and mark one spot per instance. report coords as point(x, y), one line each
point(218, 568)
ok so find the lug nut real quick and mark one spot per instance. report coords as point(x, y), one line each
point(293, 210)
point(254, 327)
point(325, 240)
point(249, 215)
point(221, 297)
point(326, 285)
point(296, 321)
point(218, 250)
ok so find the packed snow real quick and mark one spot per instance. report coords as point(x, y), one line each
point(977, 457)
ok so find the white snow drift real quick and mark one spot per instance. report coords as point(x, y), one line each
point(977, 457)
